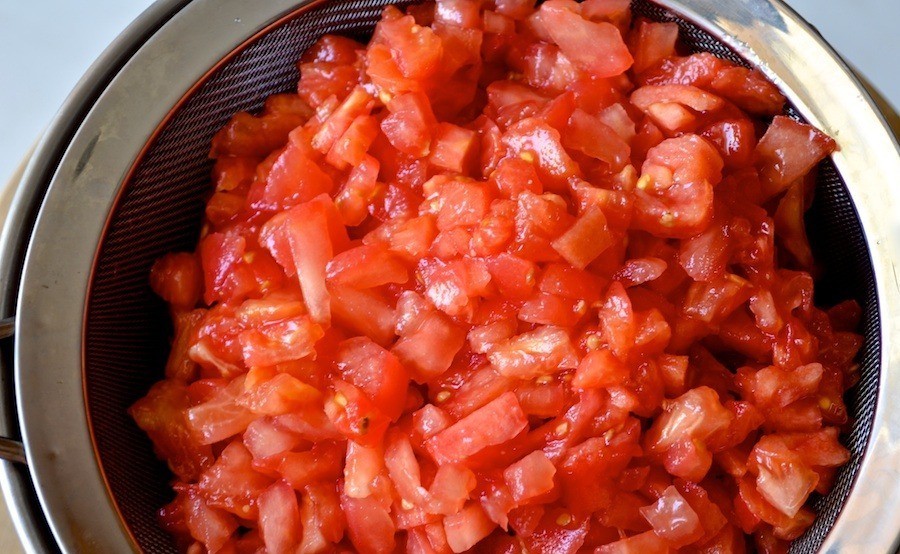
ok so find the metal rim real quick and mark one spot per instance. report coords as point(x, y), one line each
point(83, 189)
point(60, 255)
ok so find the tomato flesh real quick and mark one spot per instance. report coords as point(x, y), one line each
point(509, 276)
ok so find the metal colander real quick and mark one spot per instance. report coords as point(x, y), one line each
point(92, 337)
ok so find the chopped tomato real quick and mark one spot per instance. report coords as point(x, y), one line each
point(495, 423)
point(511, 276)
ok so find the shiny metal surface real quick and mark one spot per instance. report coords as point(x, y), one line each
point(60, 255)
point(83, 188)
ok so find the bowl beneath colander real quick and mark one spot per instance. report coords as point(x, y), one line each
point(118, 180)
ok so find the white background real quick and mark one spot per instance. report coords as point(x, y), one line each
point(46, 45)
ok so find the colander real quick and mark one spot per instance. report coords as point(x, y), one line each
point(121, 176)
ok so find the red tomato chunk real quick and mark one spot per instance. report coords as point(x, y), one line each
point(508, 278)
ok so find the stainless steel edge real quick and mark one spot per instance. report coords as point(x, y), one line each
point(777, 40)
point(15, 480)
point(60, 254)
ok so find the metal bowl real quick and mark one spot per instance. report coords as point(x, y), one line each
point(119, 177)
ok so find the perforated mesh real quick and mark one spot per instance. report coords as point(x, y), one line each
point(161, 208)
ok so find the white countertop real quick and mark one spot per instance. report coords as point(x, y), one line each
point(46, 45)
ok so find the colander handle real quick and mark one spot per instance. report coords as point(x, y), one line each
point(11, 450)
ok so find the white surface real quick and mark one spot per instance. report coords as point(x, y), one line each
point(46, 45)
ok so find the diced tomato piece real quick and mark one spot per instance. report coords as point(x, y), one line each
point(211, 526)
point(557, 530)
point(279, 518)
point(279, 394)
point(749, 89)
point(358, 191)
point(355, 415)
point(257, 136)
point(428, 339)
point(178, 279)
point(564, 280)
point(638, 271)
point(351, 149)
point(294, 178)
point(180, 367)
point(513, 276)
point(450, 489)
point(264, 438)
point(376, 372)
point(416, 49)
point(783, 478)
point(369, 525)
point(788, 151)
point(674, 196)
point(221, 416)
point(358, 103)
point(590, 135)
point(454, 148)
point(366, 266)
point(594, 47)
point(588, 237)
point(673, 519)
point(686, 95)
point(548, 309)
point(600, 368)
point(617, 320)
point(535, 141)
point(365, 312)
point(322, 517)
point(162, 415)
point(290, 339)
point(466, 528)
point(791, 228)
point(495, 423)
point(403, 468)
point(735, 139)
point(539, 220)
point(408, 126)
point(653, 42)
point(462, 204)
point(697, 414)
point(362, 466)
point(545, 350)
point(530, 477)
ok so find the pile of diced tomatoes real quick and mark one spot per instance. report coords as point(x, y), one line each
point(506, 279)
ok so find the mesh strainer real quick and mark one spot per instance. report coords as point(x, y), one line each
point(121, 177)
